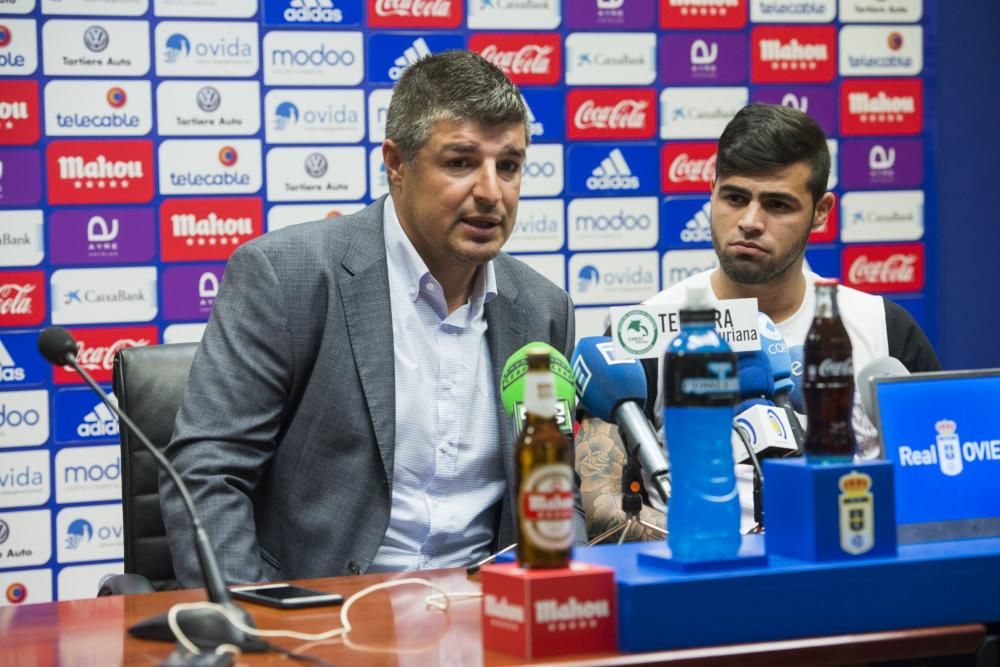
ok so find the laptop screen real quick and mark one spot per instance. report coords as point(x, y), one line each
point(942, 432)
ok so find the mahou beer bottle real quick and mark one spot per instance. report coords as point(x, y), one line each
point(828, 381)
point(544, 474)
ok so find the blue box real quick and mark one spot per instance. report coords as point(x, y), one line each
point(831, 511)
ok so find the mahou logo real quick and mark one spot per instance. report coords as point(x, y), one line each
point(415, 13)
point(709, 14)
point(881, 106)
point(611, 113)
point(22, 298)
point(19, 123)
point(884, 268)
point(799, 54)
point(96, 349)
point(207, 229)
point(687, 167)
point(100, 172)
point(526, 58)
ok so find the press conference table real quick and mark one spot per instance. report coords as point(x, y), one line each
point(395, 628)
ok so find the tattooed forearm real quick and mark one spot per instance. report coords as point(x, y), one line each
point(600, 457)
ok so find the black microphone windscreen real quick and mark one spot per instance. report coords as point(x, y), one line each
point(55, 343)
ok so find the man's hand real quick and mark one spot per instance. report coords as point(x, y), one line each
point(600, 457)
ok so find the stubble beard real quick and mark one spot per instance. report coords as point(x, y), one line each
point(759, 270)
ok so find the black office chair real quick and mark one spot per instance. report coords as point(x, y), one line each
point(149, 383)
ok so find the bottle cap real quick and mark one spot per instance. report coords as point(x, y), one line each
point(827, 282)
point(698, 307)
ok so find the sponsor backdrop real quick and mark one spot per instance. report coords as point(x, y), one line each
point(141, 141)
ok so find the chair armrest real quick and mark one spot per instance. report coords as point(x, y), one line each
point(125, 584)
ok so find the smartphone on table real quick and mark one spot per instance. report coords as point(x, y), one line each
point(285, 596)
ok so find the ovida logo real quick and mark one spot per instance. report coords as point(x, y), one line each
point(95, 38)
point(98, 423)
point(208, 99)
point(417, 50)
point(178, 47)
point(10, 371)
point(312, 11)
point(286, 114)
point(315, 165)
point(613, 173)
point(589, 277)
point(78, 533)
point(699, 228)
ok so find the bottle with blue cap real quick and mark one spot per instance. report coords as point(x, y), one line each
point(701, 387)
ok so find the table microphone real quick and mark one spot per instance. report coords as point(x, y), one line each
point(205, 627)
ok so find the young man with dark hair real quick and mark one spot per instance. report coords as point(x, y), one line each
point(343, 414)
point(769, 193)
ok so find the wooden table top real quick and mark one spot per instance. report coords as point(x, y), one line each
point(394, 627)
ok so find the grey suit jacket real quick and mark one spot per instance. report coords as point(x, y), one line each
point(286, 433)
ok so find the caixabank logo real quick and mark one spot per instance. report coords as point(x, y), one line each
point(195, 230)
point(119, 294)
point(210, 166)
point(100, 172)
point(703, 14)
point(687, 167)
point(612, 169)
point(22, 298)
point(884, 268)
point(607, 58)
point(189, 291)
point(312, 13)
point(881, 106)
point(19, 113)
point(798, 55)
point(390, 54)
point(95, 48)
point(817, 102)
point(104, 107)
point(415, 13)
point(526, 58)
point(96, 349)
point(18, 47)
point(21, 239)
point(206, 48)
point(611, 113)
point(101, 235)
point(514, 14)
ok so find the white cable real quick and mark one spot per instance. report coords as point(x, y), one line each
point(441, 601)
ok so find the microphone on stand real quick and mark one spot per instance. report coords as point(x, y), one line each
point(772, 342)
point(205, 627)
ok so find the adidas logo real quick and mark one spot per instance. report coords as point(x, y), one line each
point(699, 227)
point(412, 54)
point(98, 422)
point(9, 370)
point(313, 11)
point(534, 126)
point(613, 174)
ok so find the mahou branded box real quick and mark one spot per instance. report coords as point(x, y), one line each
point(542, 613)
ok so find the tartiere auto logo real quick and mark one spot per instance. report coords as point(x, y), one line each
point(100, 172)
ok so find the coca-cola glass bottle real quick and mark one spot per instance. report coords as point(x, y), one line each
point(828, 383)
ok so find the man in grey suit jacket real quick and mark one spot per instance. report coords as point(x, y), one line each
point(289, 432)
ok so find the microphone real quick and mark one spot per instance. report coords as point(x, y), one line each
point(512, 386)
point(876, 368)
point(780, 361)
point(614, 390)
point(766, 426)
point(206, 628)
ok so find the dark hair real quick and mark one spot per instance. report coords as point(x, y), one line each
point(762, 138)
point(451, 85)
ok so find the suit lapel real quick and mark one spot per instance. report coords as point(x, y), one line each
point(367, 310)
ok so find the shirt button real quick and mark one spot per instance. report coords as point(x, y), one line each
point(430, 287)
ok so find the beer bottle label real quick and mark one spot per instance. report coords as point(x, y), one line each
point(547, 507)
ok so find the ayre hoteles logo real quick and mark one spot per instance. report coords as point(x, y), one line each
point(415, 13)
point(312, 13)
point(609, 58)
point(884, 268)
point(316, 173)
point(313, 58)
point(100, 172)
point(98, 107)
point(22, 298)
point(613, 277)
point(514, 14)
point(95, 48)
point(698, 113)
point(817, 102)
point(611, 113)
point(881, 50)
point(208, 108)
point(101, 235)
point(21, 242)
point(792, 11)
point(19, 113)
point(24, 417)
point(704, 14)
point(390, 54)
point(890, 215)
point(710, 57)
point(875, 164)
point(18, 47)
point(314, 116)
point(193, 230)
point(800, 54)
point(526, 58)
point(881, 106)
point(198, 48)
point(617, 223)
point(96, 349)
point(687, 167)
point(612, 14)
point(88, 296)
point(210, 166)
point(24, 478)
point(189, 291)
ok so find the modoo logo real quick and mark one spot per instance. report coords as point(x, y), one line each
point(320, 55)
point(618, 221)
point(91, 474)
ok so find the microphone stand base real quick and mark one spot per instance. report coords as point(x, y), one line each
point(206, 628)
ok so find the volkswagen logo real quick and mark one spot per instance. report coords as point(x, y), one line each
point(4, 531)
point(316, 165)
point(208, 99)
point(95, 38)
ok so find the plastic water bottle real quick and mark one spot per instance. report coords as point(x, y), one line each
point(701, 386)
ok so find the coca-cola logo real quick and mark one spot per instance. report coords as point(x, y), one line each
point(627, 113)
point(685, 168)
point(415, 13)
point(22, 298)
point(688, 167)
point(898, 268)
point(15, 299)
point(96, 349)
point(103, 357)
point(832, 368)
point(534, 58)
point(529, 59)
